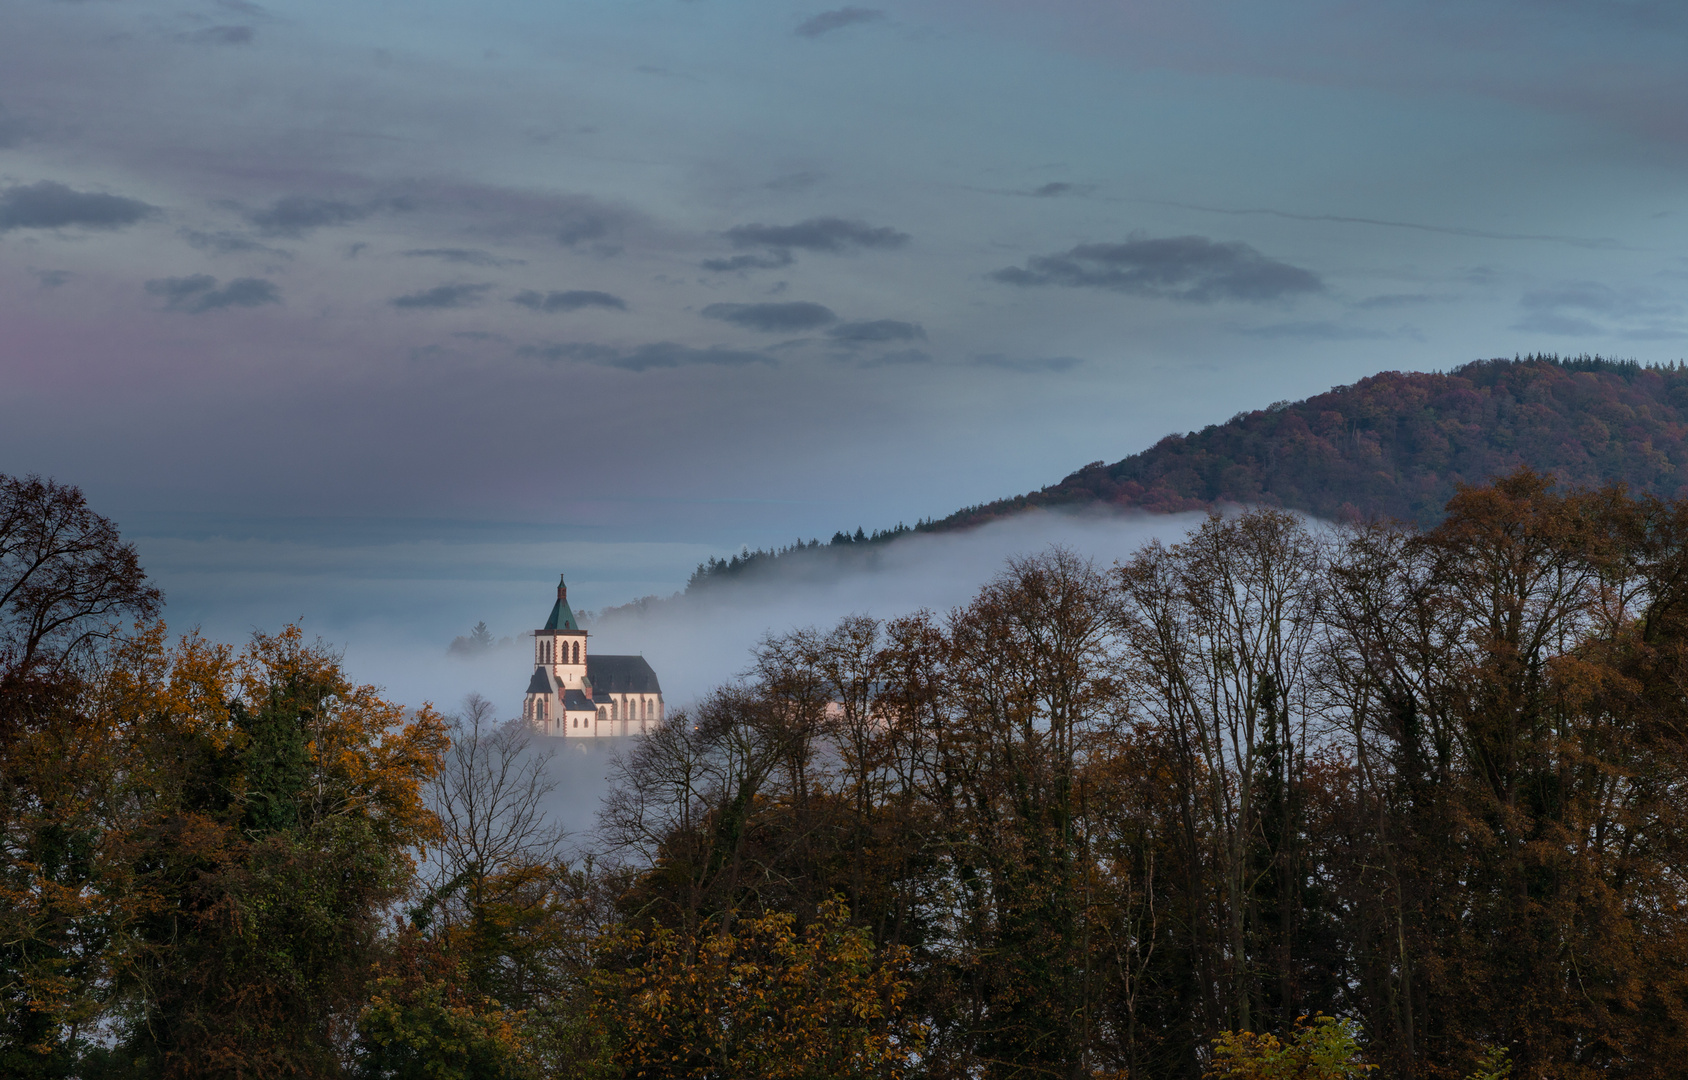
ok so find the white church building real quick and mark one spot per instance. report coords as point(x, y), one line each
point(576, 695)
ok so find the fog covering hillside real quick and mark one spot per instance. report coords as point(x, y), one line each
point(1396, 445)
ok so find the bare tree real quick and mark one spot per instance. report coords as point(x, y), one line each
point(67, 580)
point(490, 798)
point(1222, 629)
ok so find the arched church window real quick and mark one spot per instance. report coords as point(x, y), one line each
point(577, 652)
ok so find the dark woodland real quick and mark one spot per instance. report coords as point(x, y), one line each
point(1274, 801)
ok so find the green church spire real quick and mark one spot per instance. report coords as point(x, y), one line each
point(561, 617)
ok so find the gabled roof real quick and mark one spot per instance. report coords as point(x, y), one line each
point(575, 701)
point(621, 675)
point(541, 681)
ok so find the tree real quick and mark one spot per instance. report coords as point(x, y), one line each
point(1326, 1049)
point(272, 806)
point(67, 580)
point(753, 996)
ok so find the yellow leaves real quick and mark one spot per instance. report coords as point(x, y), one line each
point(370, 757)
point(1326, 1049)
point(754, 997)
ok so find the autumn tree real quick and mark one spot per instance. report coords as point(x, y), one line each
point(67, 580)
point(272, 809)
point(756, 996)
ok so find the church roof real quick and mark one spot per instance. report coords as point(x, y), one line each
point(561, 617)
point(575, 701)
point(621, 675)
point(540, 683)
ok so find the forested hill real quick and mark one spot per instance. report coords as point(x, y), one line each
point(1399, 444)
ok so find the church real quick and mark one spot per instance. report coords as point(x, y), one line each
point(576, 695)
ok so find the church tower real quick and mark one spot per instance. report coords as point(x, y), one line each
point(576, 695)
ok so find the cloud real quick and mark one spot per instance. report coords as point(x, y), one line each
point(896, 358)
point(797, 181)
point(1398, 300)
point(661, 354)
point(876, 331)
point(199, 292)
point(219, 35)
point(1053, 364)
point(771, 261)
point(779, 318)
point(463, 256)
point(52, 279)
point(1056, 188)
point(572, 300)
point(51, 205)
point(818, 234)
point(443, 296)
point(12, 129)
point(297, 215)
point(1193, 269)
point(1320, 331)
point(583, 226)
point(828, 21)
point(1572, 308)
point(226, 242)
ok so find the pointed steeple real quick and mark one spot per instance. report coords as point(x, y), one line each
point(561, 617)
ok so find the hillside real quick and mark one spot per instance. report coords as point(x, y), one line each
point(1399, 444)
point(1396, 444)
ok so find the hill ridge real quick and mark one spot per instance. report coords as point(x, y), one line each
point(1395, 444)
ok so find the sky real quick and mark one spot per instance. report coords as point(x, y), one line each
point(378, 315)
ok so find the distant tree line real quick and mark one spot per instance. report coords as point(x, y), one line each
point(716, 570)
point(1268, 802)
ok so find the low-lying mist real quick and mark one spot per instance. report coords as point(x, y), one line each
point(703, 638)
point(700, 640)
point(395, 606)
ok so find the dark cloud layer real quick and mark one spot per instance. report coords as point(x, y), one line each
point(1188, 268)
point(776, 318)
point(199, 293)
point(443, 296)
point(228, 242)
point(774, 260)
point(51, 205)
point(657, 355)
point(296, 215)
point(818, 234)
point(876, 331)
point(463, 256)
point(570, 300)
point(828, 21)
